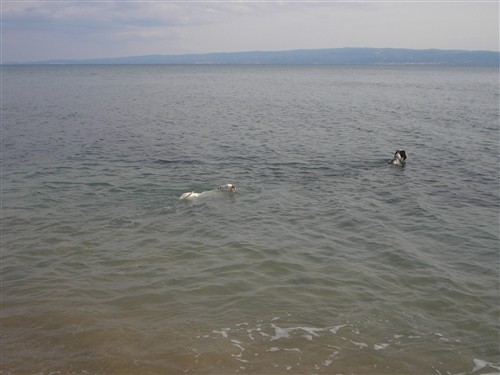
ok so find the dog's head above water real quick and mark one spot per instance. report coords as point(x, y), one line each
point(229, 188)
point(399, 157)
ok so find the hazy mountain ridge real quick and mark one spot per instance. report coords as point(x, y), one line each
point(332, 56)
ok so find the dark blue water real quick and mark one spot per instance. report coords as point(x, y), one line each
point(326, 260)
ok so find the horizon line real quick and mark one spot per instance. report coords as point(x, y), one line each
point(28, 62)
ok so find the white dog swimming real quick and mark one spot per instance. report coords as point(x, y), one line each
point(399, 158)
point(228, 188)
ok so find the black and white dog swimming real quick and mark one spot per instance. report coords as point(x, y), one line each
point(399, 158)
point(227, 188)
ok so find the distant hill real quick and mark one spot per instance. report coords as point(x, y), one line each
point(332, 56)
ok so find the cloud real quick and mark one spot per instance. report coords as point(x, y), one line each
point(95, 27)
point(98, 28)
point(92, 17)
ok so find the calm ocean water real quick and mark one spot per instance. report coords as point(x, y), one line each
point(326, 261)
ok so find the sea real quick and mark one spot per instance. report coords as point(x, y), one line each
point(327, 259)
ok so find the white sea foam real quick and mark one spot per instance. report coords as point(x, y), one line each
point(285, 332)
point(240, 354)
point(280, 333)
point(479, 364)
point(223, 332)
point(359, 344)
point(335, 329)
point(328, 361)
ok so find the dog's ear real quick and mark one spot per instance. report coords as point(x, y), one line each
point(403, 154)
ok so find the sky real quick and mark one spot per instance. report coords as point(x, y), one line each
point(34, 30)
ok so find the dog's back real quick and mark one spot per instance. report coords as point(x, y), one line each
point(228, 188)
